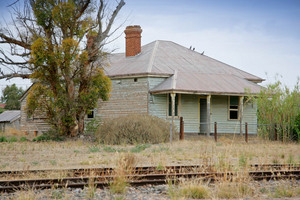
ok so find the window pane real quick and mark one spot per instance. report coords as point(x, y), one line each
point(234, 100)
point(234, 107)
point(233, 114)
point(90, 114)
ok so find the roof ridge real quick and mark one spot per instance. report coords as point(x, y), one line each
point(149, 68)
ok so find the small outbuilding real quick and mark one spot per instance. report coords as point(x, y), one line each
point(10, 119)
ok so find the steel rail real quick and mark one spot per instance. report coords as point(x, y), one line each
point(76, 172)
point(139, 179)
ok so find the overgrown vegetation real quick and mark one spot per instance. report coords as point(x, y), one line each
point(60, 45)
point(50, 135)
point(134, 129)
point(278, 108)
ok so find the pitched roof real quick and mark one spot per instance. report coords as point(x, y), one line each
point(196, 72)
point(10, 115)
point(164, 57)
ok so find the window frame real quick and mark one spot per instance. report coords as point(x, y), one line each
point(234, 109)
point(93, 114)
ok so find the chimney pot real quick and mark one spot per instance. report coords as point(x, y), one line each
point(133, 40)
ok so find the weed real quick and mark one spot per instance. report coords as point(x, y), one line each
point(3, 139)
point(23, 139)
point(109, 149)
point(4, 165)
point(125, 165)
point(229, 190)
point(94, 149)
point(275, 160)
point(243, 161)
point(194, 190)
point(283, 191)
point(91, 188)
point(76, 151)
point(35, 163)
point(13, 139)
point(160, 166)
point(139, 148)
point(53, 162)
point(57, 194)
point(290, 159)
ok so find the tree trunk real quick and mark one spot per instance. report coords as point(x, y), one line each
point(81, 123)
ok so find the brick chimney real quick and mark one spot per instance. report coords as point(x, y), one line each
point(133, 40)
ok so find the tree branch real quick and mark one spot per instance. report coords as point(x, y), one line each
point(9, 40)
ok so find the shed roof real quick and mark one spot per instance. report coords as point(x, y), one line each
point(10, 116)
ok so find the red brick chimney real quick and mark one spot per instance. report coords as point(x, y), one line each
point(133, 40)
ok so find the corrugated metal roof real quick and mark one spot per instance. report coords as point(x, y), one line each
point(164, 57)
point(10, 115)
point(207, 83)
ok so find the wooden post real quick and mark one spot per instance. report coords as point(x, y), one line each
point(216, 132)
point(208, 115)
point(35, 133)
point(246, 132)
point(173, 95)
point(241, 114)
point(181, 129)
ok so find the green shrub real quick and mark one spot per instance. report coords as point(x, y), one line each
point(140, 147)
point(94, 148)
point(50, 135)
point(134, 129)
point(3, 139)
point(91, 127)
point(23, 139)
point(13, 139)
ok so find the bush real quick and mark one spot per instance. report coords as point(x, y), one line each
point(13, 139)
point(134, 129)
point(23, 139)
point(3, 139)
point(50, 135)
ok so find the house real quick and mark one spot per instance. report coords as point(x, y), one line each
point(10, 119)
point(147, 79)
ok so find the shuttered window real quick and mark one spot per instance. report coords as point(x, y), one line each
point(233, 108)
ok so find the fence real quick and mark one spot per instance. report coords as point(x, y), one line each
point(223, 128)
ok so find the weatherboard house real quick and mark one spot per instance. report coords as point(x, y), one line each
point(145, 80)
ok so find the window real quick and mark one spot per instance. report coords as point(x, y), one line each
point(90, 114)
point(135, 80)
point(170, 105)
point(233, 108)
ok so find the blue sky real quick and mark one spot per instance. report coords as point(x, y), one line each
point(258, 36)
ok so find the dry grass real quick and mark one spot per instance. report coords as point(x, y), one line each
point(125, 165)
point(76, 154)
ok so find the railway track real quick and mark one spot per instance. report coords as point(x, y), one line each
point(80, 172)
point(102, 177)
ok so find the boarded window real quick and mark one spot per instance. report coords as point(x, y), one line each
point(233, 108)
point(176, 105)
